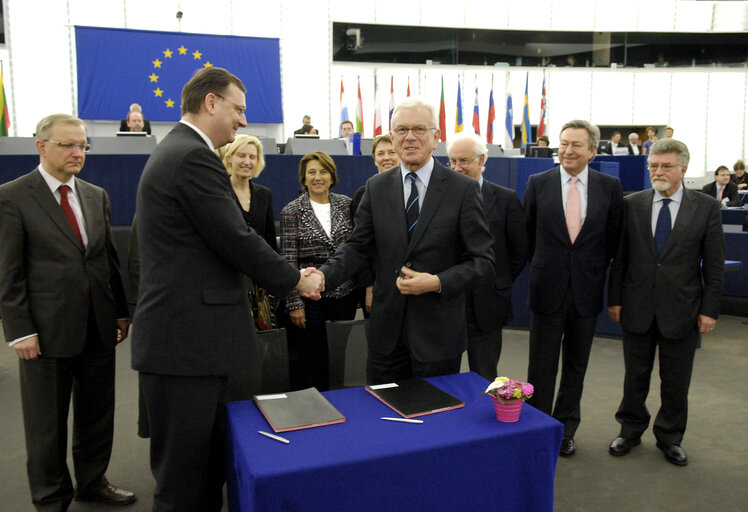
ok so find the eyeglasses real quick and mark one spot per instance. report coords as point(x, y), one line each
point(69, 145)
point(238, 108)
point(664, 167)
point(462, 162)
point(418, 131)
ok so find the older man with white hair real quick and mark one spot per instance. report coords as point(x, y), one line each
point(489, 304)
point(633, 145)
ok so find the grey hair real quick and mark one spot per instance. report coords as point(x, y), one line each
point(670, 146)
point(415, 102)
point(592, 129)
point(44, 127)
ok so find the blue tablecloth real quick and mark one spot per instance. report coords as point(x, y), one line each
point(457, 460)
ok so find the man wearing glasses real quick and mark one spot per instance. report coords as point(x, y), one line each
point(665, 289)
point(423, 229)
point(64, 310)
point(489, 303)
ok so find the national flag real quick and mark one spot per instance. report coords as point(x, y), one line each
point(359, 111)
point(377, 112)
point(526, 128)
point(408, 91)
point(392, 99)
point(543, 106)
point(491, 116)
point(343, 106)
point(476, 114)
point(117, 67)
point(509, 123)
point(442, 115)
point(5, 120)
point(458, 111)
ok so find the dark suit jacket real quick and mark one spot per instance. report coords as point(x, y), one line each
point(556, 264)
point(305, 244)
point(684, 282)
point(731, 193)
point(45, 277)
point(261, 217)
point(451, 240)
point(124, 128)
point(193, 313)
point(492, 298)
point(631, 149)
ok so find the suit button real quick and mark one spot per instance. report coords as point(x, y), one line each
point(659, 265)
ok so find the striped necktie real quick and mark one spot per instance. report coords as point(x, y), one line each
point(412, 210)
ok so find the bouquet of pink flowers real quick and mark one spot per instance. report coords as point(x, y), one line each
point(509, 390)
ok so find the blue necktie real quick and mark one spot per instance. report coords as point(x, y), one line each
point(411, 211)
point(663, 227)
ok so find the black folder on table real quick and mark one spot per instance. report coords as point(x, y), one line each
point(414, 397)
point(296, 410)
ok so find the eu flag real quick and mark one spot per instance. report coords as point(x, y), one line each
point(117, 67)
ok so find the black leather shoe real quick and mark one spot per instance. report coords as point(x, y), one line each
point(674, 454)
point(568, 447)
point(108, 494)
point(621, 446)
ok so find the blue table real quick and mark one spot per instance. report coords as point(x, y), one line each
point(457, 460)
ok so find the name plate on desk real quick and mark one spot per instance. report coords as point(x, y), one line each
point(297, 410)
point(414, 397)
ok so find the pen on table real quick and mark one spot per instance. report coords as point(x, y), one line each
point(404, 420)
point(273, 436)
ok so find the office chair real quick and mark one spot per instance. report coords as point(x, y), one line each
point(348, 344)
point(273, 350)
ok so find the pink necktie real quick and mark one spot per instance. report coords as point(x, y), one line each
point(68, 211)
point(721, 192)
point(573, 209)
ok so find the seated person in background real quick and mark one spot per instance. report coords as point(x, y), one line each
point(615, 141)
point(307, 129)
point(633, 145)
point(124, 124)
point(739, 178)
point(544, 141)
point(313, 226)
point(651, 139)
point(306, 123)
point(346, 129)
point(725, 191)
point(135, 122)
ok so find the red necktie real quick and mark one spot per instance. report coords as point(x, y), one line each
point(68, 211)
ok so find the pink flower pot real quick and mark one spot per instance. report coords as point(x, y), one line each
point(508, 412)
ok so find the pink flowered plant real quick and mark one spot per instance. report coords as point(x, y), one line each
point(509, 390)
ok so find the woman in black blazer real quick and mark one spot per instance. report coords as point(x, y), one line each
point(313, 226)
point(245, 160)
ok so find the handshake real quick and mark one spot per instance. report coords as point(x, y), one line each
point(311, 283)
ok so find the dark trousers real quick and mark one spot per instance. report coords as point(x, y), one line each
point(307, 348)
point(676, 365)
point(484, 351)
point(400, 364)
point(46, 387)
point(484, 348)
point(187, 422)
point(548, 334)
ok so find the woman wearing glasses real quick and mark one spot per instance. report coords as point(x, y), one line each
point(313, 226)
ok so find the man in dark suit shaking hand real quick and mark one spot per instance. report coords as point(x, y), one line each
point(422, 228)
point(665, 288)
point(489, 303)
point(573, 224)
point(64, 310)
point(195, 341)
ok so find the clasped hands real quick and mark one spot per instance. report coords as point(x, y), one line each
point(311, 283)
